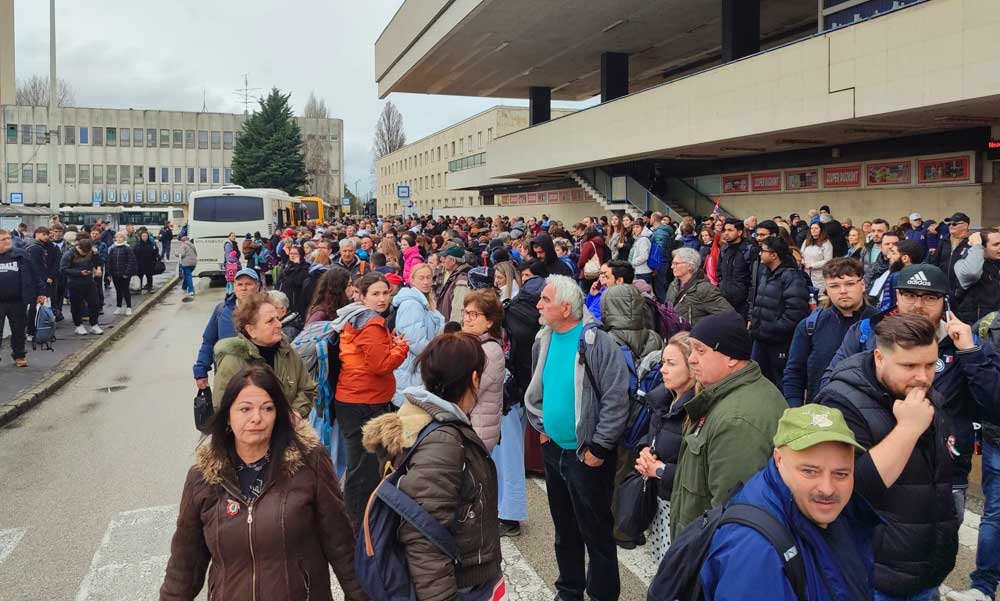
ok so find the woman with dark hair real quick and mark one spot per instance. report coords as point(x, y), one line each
point(146, 255)
point(817, 251)
point(482, 316)
point(80, 265)
point(259, 340)
point(332, 293)
point(411, 254)
point(261, 511)
point(292, 279)
point(449, 473)
point(591, 247)
point(369, 353)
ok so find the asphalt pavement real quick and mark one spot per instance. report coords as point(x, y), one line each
point(93, 475)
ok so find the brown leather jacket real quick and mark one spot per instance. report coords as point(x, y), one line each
point(276, 549)
point(452, 476)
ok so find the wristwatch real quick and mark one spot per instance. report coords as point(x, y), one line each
point(659, 472)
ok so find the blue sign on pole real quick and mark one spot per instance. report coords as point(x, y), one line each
point(345, 201)
point(403, 191)
point(16, 198)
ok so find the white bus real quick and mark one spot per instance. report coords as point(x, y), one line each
point(213, 214)
point(152, 218)
point(81, 215)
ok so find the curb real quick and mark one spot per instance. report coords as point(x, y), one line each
point(73, 364)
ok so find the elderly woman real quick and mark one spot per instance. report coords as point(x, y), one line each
point(259, 340)
point(691, 294)
point(188, 260)
point(261, 511)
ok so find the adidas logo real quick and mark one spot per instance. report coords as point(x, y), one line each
point(918, 279)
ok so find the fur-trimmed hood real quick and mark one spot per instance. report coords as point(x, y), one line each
point(217, 468)
point(241, 347)
point(396, 431)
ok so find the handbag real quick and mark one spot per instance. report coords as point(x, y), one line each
point(159, 267)
point(635, 505)
point(592, 268)
point(203, 410)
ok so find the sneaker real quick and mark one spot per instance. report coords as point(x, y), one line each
point(128, 311)
point(30, 337)
point(973, 594)
point(95, 329)
point(21, 362)
point(119, 311)
point(510, 528)
point(80, 331)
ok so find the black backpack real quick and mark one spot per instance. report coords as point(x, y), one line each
point(679, 576)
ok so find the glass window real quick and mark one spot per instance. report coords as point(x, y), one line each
point(12, 173)
point(489, 135)
point(83, 173)
point(178, 138)
point(215, 175)
point(69, 135)
point(164, 138)
point(26, 131)
point(189, 138)
point(203, 175)
point(98, 136)
point(177, 175)
point(125, 137)
point(98, 174)
point(470, 142)
point(216, 140)
point(12, 133)
point(461, 145)
point(124, 171)
point(112, 174)
point(84, 135)
point(112, 136)
point(137, 173)
point(202, 139)
point(228, 208)
point(42, 173)
point(480, 140)
point(152, 175)
point(150, 138)
point(228, 175)
point(26, 174)
point(227, 140)
point(190, 175)
point(69, 172)
point(40, 134)
point(164, 175)
point(138, 137)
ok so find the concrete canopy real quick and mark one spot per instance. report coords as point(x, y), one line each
point(501, 48)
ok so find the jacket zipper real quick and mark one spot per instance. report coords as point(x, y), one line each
point(253, 560)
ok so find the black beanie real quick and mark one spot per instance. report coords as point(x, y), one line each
point(724, 332)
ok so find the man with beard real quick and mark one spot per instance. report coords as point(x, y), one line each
point(873, 251)
point(978, 274)
point(880, 273)
point(734, 266)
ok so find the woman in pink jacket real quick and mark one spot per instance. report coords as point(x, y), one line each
point(482, 317)
point(411, 254)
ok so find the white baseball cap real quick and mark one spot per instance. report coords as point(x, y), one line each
point(916, 217)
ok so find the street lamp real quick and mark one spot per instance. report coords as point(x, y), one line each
point(52, 126)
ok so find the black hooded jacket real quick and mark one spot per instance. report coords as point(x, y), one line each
point(915, 548)
point(556, 266)
point(782, 301)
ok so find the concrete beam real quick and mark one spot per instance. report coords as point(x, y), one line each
point(539, 105)
point(614, 75)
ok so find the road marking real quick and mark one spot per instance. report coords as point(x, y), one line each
point(523, 582)
point(8, 540)
point(133, 555)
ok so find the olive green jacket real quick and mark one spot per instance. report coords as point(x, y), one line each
point(233, 354)
point(727, 439)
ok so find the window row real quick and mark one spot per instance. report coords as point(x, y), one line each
point(28, 173)
point(125, 137)
point(433, 155)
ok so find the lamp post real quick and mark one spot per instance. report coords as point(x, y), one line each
point(52, 125)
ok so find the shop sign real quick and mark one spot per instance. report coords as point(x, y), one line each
point(847, 176)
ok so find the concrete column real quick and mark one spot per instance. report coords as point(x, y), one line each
point(614, 75)
point(8, 90)
point(740, 29)
point(539, 105)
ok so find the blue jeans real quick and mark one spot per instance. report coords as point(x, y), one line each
point(921, 596)
point(188, 281)
point(987, 572)
point(512, 496)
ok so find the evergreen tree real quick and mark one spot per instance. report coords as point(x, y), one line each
point(269, 152)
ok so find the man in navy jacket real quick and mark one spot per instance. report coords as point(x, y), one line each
point(20, 285)
point(220, 324)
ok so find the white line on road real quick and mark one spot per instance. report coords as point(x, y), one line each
point(523, 582)
point(133, 555)
point(8, 540)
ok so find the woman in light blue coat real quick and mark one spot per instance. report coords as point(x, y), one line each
point(419, 321)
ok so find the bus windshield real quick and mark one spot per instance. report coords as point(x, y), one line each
point(227, 208)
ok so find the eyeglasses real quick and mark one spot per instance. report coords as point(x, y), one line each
point(842, 285)
point(925, 299)
point(767, 250)
point(472, 314)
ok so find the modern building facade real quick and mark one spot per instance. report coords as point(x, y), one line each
point(8, 88)
point(874, 107)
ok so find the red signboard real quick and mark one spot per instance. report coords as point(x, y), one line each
point(802, 179)
point(546, 197)
point(766, 181)
point(735, 184)
point(945, 169)
point(893, 173)
point(846, 176)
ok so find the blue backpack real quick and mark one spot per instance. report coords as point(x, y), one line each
point(655, 260)
point(45, 328)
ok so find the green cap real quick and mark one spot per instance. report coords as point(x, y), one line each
point(810, 425)
point(452, 251)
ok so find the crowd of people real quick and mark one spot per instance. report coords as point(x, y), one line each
point(807, 380)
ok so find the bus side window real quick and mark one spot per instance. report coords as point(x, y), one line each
point(281, 218)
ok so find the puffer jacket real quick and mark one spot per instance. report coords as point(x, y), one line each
point(453, 478)
point(188, 254)
point(411, 258)
point(367, 356)
point(233, 354)
point(486, 414)
point(638, 256)
point(73, 264)
point(299, 531)
point(734, 275)
point(698, 299)
point(782, 302)
point(146, 255)
point(419, 324)
point(451, 295)
point(121, 261)
point(623, 313)
point(916, 547)
point(293, 278)
point(666, 431)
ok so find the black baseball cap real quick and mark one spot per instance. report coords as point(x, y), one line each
point(960, 218)
point(928, 278)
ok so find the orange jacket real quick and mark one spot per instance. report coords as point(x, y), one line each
point(367, 358)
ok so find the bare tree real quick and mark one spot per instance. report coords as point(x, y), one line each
point(389, 134)
point(316, 151)
point(34, 91)
point(315, 109)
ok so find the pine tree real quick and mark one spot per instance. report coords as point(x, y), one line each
point(269, 152)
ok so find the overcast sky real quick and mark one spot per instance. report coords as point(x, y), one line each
point(146, 54)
